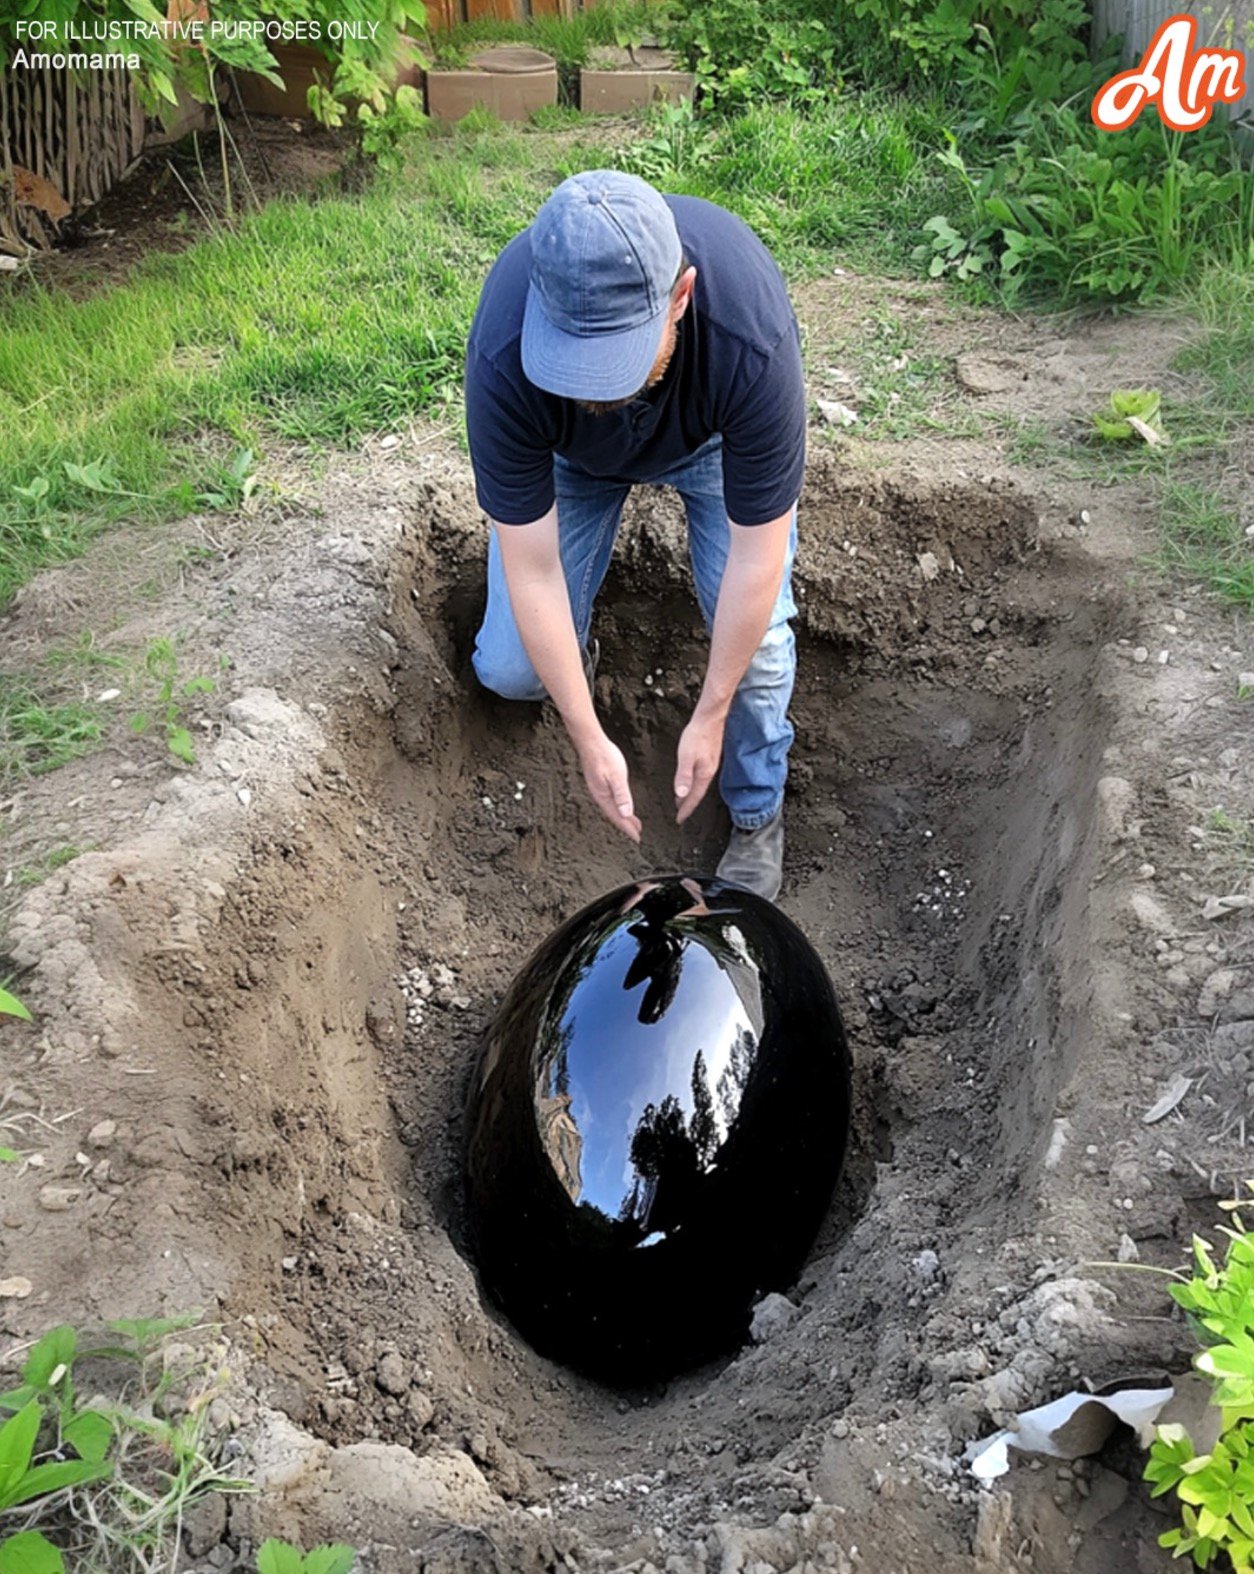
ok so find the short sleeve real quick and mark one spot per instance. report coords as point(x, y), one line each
point(764, 437)
point(512, 459)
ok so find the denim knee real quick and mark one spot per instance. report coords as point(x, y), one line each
point(511, 681)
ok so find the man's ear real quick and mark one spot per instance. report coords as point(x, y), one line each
point(682, 293)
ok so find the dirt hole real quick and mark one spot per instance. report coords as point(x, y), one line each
point(948, 744)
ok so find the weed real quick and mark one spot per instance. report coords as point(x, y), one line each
point(1129, 413)
point(36, 736)
point(11, 1006)
point(1216, 1489)
point(161, 664)
point(1232, 842)
point(232, 485)
point(280, 1557)
point(1062, 208)
point(1202, 536)
point(105, 1484)
point(33, 874)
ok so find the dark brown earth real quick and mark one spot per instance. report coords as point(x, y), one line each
point(271, 969)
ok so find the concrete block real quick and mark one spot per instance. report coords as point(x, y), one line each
point(620, 92)
point(511, 80)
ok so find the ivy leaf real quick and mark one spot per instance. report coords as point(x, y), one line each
point(30, 1553)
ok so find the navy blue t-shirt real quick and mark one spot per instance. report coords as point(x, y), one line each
point(736, 371)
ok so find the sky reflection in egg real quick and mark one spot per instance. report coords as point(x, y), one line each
point(656, 1127)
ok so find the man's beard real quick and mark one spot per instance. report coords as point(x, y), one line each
point(655, 376)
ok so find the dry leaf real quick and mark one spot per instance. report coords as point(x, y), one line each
point(33, 191)
point(1168, 1098)
point(1143, 429)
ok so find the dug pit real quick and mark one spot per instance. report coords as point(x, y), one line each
point(309, 1007)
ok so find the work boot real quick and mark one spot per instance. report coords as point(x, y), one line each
point(755, 859)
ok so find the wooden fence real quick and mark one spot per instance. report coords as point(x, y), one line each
point(61, 139)
point(442, 14)
point(1229, 25)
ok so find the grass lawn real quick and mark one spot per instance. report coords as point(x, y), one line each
point(324, 320)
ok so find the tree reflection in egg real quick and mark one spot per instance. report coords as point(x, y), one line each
point(656, 1127)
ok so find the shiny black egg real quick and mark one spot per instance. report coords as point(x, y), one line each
point(656, 1127)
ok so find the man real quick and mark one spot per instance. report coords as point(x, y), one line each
point(629, 337)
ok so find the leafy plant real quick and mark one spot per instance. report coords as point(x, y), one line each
point(1125, 217)
point(233, 484)
point(1215, 1489)
point(950, 251)
point(280, 1557)
point(1125, 406)
point(387, 132)
point(679, 145)
point(11, 1006)
point(108, 1482)
point(162, 666)
point(743, 52)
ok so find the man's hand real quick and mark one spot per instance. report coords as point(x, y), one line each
point(700, 749)
point(605, 772)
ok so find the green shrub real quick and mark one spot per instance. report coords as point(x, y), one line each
point(1216, 1489)
point(1076, 213)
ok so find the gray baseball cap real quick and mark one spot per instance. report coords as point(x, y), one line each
point(605, 254)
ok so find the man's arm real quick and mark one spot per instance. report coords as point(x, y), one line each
point(541, 606)
point(746, 599)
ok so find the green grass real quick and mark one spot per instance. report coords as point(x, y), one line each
point(37, 735)
point(848, 182)
point(1202, 536)
point(569, 39)
point(320, 321)
point(36, 873)
point(898, 388)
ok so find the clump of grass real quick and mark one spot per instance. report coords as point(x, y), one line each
point(38, 736)
point(847, 180)
point(1203, 537)
point(36, 873)
point(107, 1483)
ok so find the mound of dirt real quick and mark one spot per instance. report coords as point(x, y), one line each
point(260, 996)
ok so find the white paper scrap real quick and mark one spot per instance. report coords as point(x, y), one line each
point(1070, 1427)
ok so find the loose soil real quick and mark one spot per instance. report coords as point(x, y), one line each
point(259, 994)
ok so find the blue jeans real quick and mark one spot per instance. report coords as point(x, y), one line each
point(758, 733)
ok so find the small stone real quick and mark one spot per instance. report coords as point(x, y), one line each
point(978, 625)
point(15, 1289)
point(1239, 1008)
point(1215, 991)
point(837, 414)
point(772, 1315)
point(1140, 655)
point(392, 1374)
point(926, 1265)
point(59, 1199)
point(204, 1523)
point(840, 1427)
point(102, 1133)
point(421, 1410)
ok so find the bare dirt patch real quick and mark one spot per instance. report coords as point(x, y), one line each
point(271, 973)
